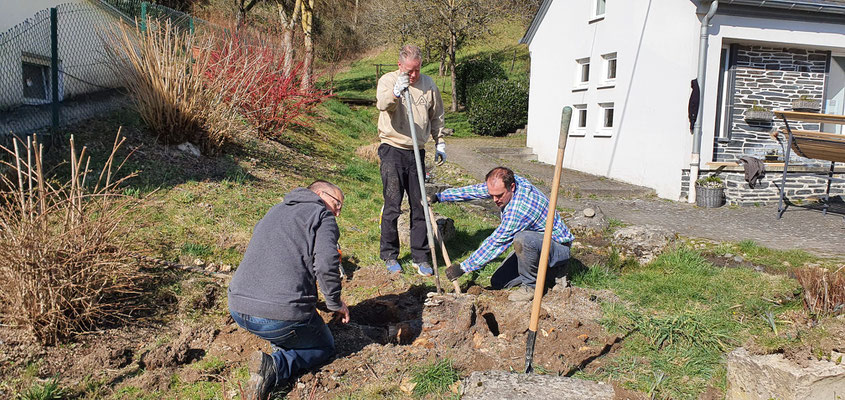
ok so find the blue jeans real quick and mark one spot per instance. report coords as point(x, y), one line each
point(520, 268)
point(297, 345)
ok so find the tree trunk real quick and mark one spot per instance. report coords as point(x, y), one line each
point(289, 26)
point(443, 51)
point(307, 63)
point(452, 43)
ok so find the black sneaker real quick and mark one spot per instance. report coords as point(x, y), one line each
point(262, 376)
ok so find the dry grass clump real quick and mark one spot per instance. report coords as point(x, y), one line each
point(162, 67)
point(369, 152)
point(64, 267)
point(824, 290)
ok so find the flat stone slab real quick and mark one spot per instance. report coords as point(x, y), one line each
point(501, 385)
point(772, 376)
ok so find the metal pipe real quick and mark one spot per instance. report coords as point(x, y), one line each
point(695, 157)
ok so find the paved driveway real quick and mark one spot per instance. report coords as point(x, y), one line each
point(800, 228)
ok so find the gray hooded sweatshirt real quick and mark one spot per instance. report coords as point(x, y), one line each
point(292, 248)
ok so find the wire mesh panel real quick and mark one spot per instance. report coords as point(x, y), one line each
point(35, 99)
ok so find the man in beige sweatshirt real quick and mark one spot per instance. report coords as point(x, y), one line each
point(396, 152)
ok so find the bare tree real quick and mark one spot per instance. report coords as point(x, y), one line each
point(307, 30)
point(289, 18)
point(243, 8)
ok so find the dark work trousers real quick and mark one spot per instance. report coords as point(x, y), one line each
point(399, 176)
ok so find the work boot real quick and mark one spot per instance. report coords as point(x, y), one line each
point(262, 376)
point(424, 269)
point(393, 266)
point(522, 294)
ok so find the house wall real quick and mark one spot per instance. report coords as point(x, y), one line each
point(15, 11)
point(656, 44)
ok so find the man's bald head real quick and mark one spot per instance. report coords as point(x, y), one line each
point(331, 195)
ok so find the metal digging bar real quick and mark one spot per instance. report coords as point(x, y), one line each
point(421, 178)
point(565, 117)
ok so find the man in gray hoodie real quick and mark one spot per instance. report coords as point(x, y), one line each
point(273, 293)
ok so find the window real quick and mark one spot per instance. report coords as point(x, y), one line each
point(598, 9)
point(605, 126)
point(725, 94)
point(609, 69)
point(36, 79)
point(580, 124)
point(36, 82)
point(582, 73)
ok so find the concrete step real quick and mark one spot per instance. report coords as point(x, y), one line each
point(509, 153)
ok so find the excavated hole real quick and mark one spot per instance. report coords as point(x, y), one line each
point(492, 324)
point(392, 318)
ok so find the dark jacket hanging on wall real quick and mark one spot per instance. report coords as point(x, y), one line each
point(694, 100)
point(755, 170)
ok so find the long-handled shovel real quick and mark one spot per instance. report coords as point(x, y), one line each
point(443, 251)
point(565, 117)
point(409, 103)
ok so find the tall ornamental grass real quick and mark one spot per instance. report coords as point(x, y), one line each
point(64, 266)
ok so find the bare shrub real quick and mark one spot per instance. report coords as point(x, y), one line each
point(369, 152)
point(64, 267)
point(163, 67)
point(824, 290)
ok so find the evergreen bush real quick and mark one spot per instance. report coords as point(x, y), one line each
point(498, 106)
point(473, 72)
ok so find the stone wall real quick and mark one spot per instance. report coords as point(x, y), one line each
point(800, 187)
point(771, 78)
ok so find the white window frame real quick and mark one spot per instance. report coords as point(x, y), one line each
point(46, 65)
point(606, 61)
point(580, 115)
point(580, 63)
point(595, 15)
point(601, 129)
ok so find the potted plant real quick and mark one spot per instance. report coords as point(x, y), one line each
point(772, 156)
point(710, 192)
point(806, 103)
point(758, 114)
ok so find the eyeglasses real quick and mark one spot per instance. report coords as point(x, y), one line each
point(336, 200)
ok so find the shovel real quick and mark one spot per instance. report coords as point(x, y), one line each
point(565, 117)
point(409, 102)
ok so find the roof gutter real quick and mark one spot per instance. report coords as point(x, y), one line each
point(695, 156)
point(535, 23)
point(791, 5)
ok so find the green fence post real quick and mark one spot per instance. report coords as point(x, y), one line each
point(54, 66)
point(143, 16)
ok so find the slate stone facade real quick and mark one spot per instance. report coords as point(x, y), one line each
point(771, 78)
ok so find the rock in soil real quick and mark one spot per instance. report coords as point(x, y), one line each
point(772, 376)
point(643, 242)
point(495, 385)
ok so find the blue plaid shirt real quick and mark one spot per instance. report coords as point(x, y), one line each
point(526, 211)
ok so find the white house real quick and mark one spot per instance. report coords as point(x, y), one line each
point(26, 79)
point(626, 67)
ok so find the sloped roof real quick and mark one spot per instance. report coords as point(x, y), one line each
point(811, 6)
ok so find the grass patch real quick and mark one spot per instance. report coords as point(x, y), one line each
point(681, 314)
point(48, 390)
point(434, 378)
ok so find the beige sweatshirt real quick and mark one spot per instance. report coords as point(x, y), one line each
point(393, 127)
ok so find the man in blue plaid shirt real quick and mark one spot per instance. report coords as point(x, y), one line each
point(524, 211)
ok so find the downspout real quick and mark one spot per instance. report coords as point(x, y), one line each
point(695, 157)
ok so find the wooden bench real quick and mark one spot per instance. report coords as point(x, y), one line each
point(809, 144)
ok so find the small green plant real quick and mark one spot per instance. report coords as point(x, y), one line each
point(196, 250)
point(769, 317)
point(758, 108)
point(711, 181)
point(434, 378)
point(46, 391)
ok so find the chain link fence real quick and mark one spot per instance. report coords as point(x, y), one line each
point(54, 70)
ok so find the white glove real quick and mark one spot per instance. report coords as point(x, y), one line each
point(401, 84)
point(440, 153)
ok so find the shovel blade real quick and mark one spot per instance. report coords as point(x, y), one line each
point(529, 351)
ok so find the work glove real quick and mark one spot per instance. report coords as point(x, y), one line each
point(432, 198)
point(440, 153)
point(454, 271)
point(401, 84)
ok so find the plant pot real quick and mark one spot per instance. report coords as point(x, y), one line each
point(709, 197)
point(759, 116)
point(806, 105)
